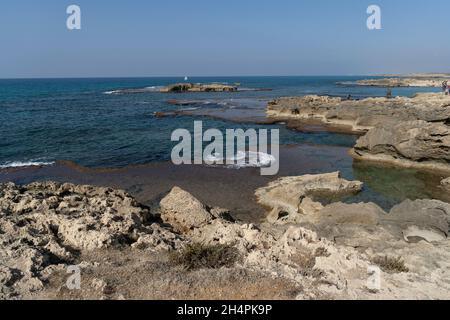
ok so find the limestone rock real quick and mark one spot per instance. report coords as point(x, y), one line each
point(427, 219)
point(431, 82)
point(411, 144)
point(293, 197)
point(43, 225)
point(335, 267)
point(191, 87)
point(157, 238)
point(183, 211)
point(410, 132)
point(359, 116)
point(357, 214)
point(445, 183)
point(414, 233)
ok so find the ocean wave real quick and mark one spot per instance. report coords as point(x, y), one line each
point(111, 92)
point(139, 90)
point(243, 159)
point(21, 164)
point(189, 109)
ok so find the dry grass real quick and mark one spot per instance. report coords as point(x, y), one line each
point(322, 252)
point(305, 260)
point(199, 256)
point(390, 264)
point(137, 275)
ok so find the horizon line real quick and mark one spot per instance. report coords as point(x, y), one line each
point(212, 76)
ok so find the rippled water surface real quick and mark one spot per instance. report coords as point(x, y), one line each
point(73, 119)
point(88, 122)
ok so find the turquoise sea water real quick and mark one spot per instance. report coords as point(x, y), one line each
point(45, 120)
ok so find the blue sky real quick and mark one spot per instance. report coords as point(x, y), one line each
point(233, 37)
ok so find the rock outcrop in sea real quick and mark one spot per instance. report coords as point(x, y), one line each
point(192, 87)
point(411, 132)
point(431, 82)
point(45, 227)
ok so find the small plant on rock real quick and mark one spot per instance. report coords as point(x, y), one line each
point(200, 256)
point(390, 264)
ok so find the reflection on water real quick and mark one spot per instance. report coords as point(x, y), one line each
point(234, 189)
point(388, 186)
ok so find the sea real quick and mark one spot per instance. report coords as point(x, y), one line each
point(114, 123)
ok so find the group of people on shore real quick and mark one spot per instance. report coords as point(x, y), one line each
point(446, 87)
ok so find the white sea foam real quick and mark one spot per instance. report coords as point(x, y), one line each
point(243, 159)
point(20, 164)
point(141, 90)
point(112, 92)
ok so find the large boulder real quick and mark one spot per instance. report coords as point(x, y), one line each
point(421, 219)
point(183, 211)
point(411, 144)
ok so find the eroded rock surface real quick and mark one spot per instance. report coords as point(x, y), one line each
point(359, 116)
point(409, 132)
point(407, 220)
point(327, 269)
point(417, 231)
point(44, 225)
point(291, 198)
point(403, 82)
point(191, 87)
point(36, 240)
point(445, 183)
point(418, 144)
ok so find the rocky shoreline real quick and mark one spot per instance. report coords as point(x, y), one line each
point(410, 132)
point(420, 82)
point(305, 249)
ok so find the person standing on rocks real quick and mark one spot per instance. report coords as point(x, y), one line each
point(445, 87)
point(389, 94)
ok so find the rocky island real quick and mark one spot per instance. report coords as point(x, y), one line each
point(191, 87)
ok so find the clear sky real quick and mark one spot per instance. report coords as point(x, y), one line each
point(213, 37)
